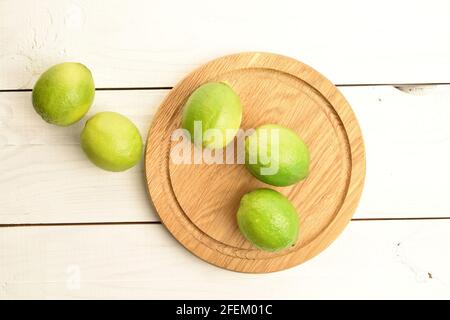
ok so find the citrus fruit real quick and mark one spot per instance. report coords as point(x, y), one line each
point(64, 93)
point(276, 155)
point(218, 109)
point(268, 220)
point(111, 141)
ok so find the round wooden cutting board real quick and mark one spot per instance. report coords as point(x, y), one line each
point(198, 202)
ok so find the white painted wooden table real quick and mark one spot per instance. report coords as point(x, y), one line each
point(70, 230)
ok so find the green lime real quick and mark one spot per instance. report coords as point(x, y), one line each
point(276, 155)
point(218, 109)
point(268, 220)
point(111, 141)
point(64, 93)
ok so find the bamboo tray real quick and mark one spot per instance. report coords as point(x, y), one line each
point(198, 202)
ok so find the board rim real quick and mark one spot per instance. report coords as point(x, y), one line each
point(357, 156)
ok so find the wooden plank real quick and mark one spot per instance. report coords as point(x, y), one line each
point(45, 177)
point(144, 43)
point(395, 259)
point(407, 139)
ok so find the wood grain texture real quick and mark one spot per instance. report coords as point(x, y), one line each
point(142, 43)
point(38, 159)
point(198, 203)
point(45, 176)
point(370, 260)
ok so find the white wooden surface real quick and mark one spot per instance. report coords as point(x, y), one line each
point(378, 259)
point(407, 138)
point(47, 186)
point(142, 43)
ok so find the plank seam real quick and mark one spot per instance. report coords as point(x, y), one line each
point(337, 85)
point(64, 224)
